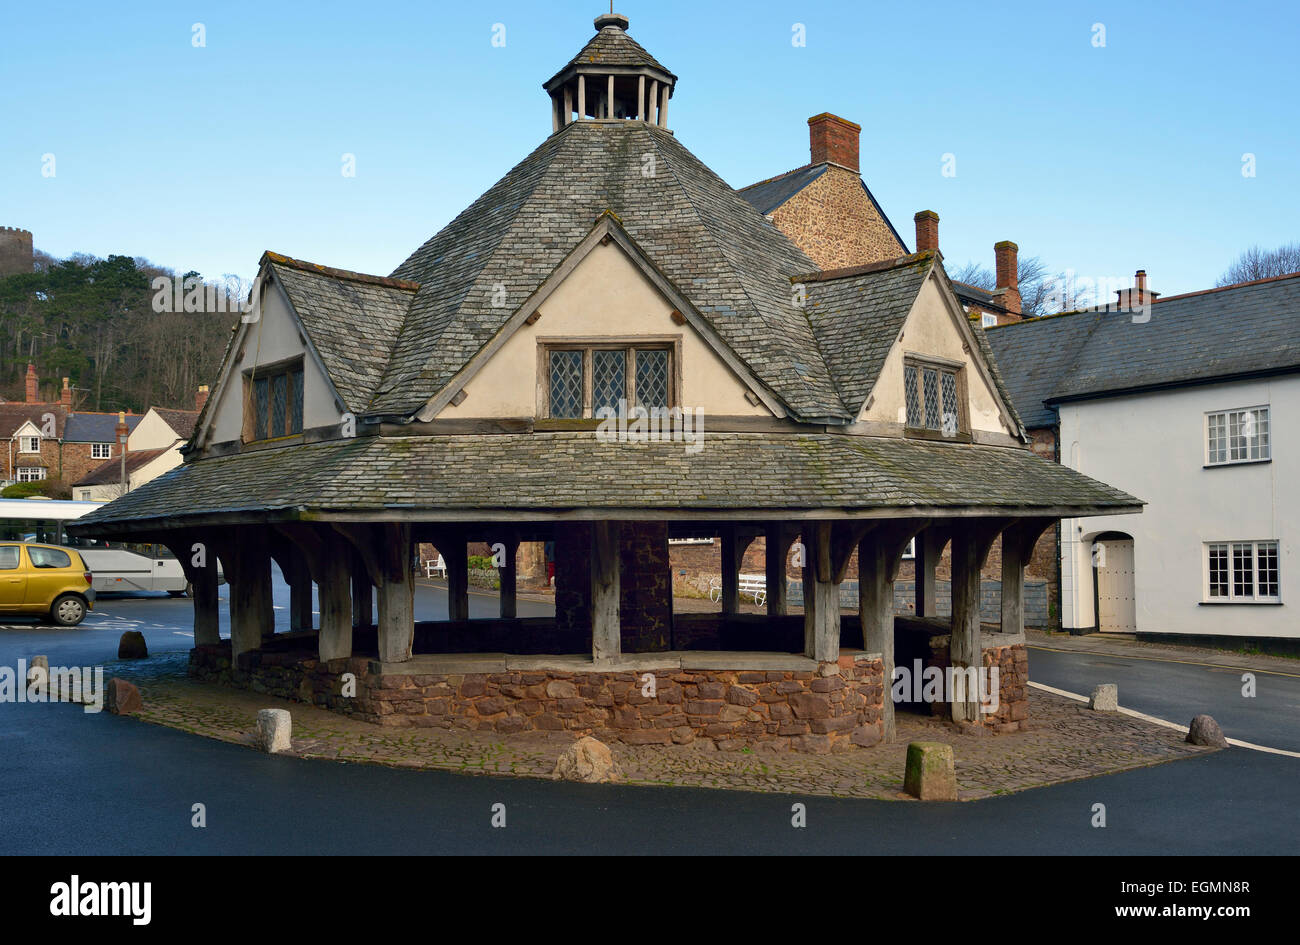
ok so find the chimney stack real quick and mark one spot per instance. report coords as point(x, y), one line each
point(835, 140)
point(66, 397)
point(1008, 275)
point(1138, 296)
point(33, 385)
point(927, 231)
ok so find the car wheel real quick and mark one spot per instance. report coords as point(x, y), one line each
point(68, 610)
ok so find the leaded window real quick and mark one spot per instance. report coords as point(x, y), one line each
point(1242, 571)
point(1238, 436)
point(932, 399)
point(584, 380)
point(275, 401)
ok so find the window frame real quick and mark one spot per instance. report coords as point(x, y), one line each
point(95, 450)
point(921, 363)
point(20, 477)
point(269, 372)
point(22, 444)
point(668, 343)
point(1227, 413)
point(1231, 574)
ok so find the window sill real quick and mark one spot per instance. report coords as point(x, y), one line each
point(1240, 603)
point(1239, 462)
point(936, 435)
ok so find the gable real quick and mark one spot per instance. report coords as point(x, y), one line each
point(837, 223)
point(935, 328)
point(606, 297)
point(275, 337)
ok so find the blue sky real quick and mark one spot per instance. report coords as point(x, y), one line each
point(1098, 159)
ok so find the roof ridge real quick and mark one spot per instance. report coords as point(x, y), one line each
point(769, 180)
point(332, 272)
point(1225, 288)
point(847, 272)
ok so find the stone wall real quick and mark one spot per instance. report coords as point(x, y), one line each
point(836, 708)
point(836, 224)
point(917, 640)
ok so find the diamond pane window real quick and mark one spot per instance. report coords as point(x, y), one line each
point(930, 384)
point(261, 407)
point(566, 384)
point(609, 379)
point(948, 384)
point(913, 397)
point(295, 402)
point(279, 403)
point(652, 378)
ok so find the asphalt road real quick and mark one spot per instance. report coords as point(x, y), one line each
point(1177, 691)
point(78, 783)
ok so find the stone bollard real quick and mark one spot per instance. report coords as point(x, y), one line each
point(274, 730)
point(38, 675)
point(123, 697)
point(1205, 731)
point(131, 646)
point(1105, 698)
point(931, 774)
point(588, 759)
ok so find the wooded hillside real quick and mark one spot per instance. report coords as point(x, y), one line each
point(94, 321)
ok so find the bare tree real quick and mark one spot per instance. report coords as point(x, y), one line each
point(1256, 263)
point(1040, 292)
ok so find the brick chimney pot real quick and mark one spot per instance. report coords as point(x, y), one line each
point(834, 139)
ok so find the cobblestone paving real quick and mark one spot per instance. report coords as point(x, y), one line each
point(1066, 741)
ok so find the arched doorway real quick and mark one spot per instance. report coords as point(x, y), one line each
point(1114, 582)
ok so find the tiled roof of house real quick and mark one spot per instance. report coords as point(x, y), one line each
point(96, 427)
point(1196, 338)
point(181, 421)
point(351, 319)
point(14, 414)
point(713, 246)
point(857, 317)
point(110, 471)
point(554, 472)
point(612, 47)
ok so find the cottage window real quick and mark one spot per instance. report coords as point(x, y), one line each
point(582, 380)
point(931, 393)
point(1237, 436)
point(31, 473)
point(1243, 571)
point(29, 444)
point(274, 401)
point(101, 450)
point(988, 320)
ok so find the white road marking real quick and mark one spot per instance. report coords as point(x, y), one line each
point(182, 633)
point(1167, 724)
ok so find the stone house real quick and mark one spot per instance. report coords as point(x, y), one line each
point(1190, 399)
point(609, 349)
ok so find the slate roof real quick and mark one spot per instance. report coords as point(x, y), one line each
point(110, 471)
point(713, 246)
point(96, 427)
point(1034, 354)
point(1195, 338)
point(857, 318)
point(352, 320)
point(554, 472)
point(181, 421)
point(14, 414)
point(612, 47)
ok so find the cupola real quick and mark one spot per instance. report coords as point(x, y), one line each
point(612, 79)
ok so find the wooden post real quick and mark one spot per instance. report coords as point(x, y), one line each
point(970, 546)
point(663, 109)
point(654, 101)
point(203, 585)
point(778, 538)
point(929, 548)
point(363, 597)
point(582, 97)
point(248, 571)
point(609, 100)
point(730, 572)
point(301, 616)
point(879, 554)
point(555, 113)
point(396, 593)
point(822, 610)
point(509, 579)
point(1017, 547)
point(329, 559)
point(640, 98)
point(606, 634)
point(456, 557)
point(568, 105)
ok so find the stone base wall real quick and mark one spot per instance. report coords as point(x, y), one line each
point(1012, 661)
point(836, 708)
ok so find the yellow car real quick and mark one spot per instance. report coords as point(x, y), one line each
point(45, 581)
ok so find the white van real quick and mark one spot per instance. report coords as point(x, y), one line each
point(120, 571)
